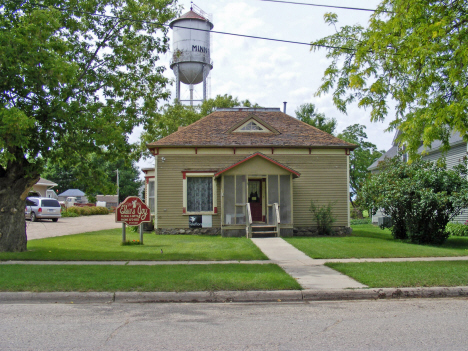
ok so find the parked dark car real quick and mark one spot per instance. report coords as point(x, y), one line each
point(42, 208)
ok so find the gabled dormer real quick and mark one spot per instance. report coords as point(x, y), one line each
point(252, 124)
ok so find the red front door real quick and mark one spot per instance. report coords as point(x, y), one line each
point(255, 199)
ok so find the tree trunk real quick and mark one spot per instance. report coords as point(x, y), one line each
point(15, 183)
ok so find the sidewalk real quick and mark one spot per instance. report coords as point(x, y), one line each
point(303, 268)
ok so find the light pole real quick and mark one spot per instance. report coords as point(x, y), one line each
point(118, 201)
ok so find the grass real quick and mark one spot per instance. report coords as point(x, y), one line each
point(39, 278)
point(368, 241)
point(106, 245)
point(406, 274)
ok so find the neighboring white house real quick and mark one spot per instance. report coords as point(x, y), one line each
point(458, 150)
point(44, 188)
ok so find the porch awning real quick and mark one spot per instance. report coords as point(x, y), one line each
point(259, 154)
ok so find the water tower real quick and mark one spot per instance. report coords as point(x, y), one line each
point(191, 61)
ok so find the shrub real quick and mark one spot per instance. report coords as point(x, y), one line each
point(457, 229)
point(324, 217)
point(86, 211)
point(421, 198)
point(69, 214)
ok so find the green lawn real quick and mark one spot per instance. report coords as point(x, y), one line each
point(406, 274)
point(368, 241)
point(105, 246)
point(145, 278)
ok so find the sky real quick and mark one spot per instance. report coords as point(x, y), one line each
point(269, 73)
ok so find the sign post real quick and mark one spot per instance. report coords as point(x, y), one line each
point(132, 211)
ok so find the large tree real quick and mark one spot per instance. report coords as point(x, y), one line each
point(360, 159)
point(97, 176)
point(308, 114)
point(413, 52)
point(76, 77)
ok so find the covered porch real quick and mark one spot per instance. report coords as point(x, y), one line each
point(257, 198)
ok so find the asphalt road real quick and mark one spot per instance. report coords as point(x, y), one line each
point(45, 228)
point(365, 325)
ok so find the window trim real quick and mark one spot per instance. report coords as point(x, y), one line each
point(207, 174)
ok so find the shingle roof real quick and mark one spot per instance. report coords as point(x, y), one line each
point(43, 181)
point(72, 192)
point(213, 131)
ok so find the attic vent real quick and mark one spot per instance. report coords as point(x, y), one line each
point(251, 126)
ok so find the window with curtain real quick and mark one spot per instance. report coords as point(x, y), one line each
point(199, 194)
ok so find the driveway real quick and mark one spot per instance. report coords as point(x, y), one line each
point(45, 228)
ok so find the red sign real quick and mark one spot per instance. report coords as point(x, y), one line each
point(132, 211)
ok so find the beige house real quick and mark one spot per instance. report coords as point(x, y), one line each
point(44, 188)
point(246, 171)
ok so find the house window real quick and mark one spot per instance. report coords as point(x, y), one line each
point(251, 126)
point(151, 196)
point(199, 194)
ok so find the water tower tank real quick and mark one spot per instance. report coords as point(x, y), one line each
point(191, 60)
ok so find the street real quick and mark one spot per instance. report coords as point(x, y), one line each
point(416, 324)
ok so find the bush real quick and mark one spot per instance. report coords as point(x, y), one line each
point(324, 217)
point(457, 229)
point(69, 214)
point(87, 211)
point(421, 198)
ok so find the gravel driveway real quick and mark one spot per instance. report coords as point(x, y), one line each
point(45, 228)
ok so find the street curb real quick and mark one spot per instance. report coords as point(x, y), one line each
point(209, 296)
point(55, 297)
point(384, 293)
point(230, 296)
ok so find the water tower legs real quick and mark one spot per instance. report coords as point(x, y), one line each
point(176, 72)
point(206, 71)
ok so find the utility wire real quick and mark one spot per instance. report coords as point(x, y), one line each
point(317, 5)
point(202, 30)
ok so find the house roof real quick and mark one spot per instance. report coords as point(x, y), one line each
point(454, 139)
point(215, 130)
point(259, 154)
point(72, 192)
point(43, 181)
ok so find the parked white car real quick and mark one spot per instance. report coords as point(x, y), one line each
point(42, 208)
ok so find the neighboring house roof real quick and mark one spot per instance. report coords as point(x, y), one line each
point(72, 192)
point(107, 198)
point(454, 140)
point(216, 130)
point(259, 154)
point(392, 152)
point(43, 181)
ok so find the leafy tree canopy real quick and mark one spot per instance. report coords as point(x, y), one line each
point(97, 176)
point(76, 78)
point(172, 116)
point(412, 52)
point(307, 113)
point(421, 197)
point(360, 159)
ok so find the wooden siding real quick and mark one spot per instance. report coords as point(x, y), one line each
point(452, 158)
point(323, 179)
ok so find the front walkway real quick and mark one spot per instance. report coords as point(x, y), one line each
point(303, 268)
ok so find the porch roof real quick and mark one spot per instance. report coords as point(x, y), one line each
point(259, 154)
